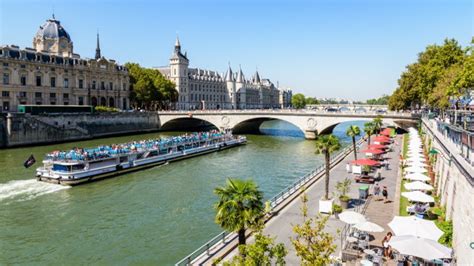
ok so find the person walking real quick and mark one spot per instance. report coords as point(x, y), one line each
point(385, 193)
point(376, 190)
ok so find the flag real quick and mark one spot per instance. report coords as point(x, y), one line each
point(31, 160)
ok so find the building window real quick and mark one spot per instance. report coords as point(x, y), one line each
point(5, 94)
point(124, 86)
point(93, 84)
point(81, 84)
point(66, 83)
point(53, 82)
point(52, 95)
point(5, 64)
point(23, 94)
point(38, 94)
point(66, 96)
point(6, 78)
point(23, 81)
point(66, 103)
point(6, 106)
point(102, 85)
point(111, 86)
point(38, 81)
point(81, 100)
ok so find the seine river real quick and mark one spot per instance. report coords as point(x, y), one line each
point(155, 216)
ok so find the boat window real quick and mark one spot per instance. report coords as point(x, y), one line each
point(60, 168)
point(123, 159)
point(152, 153)
point(77, 167)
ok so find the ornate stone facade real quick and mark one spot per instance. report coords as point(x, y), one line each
point(51, 74)
point(206, 89)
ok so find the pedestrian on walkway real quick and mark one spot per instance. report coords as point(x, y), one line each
point(385, 193)
point(376, 190)
point(387, 249)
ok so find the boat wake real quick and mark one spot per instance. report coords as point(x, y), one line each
point(22, 190)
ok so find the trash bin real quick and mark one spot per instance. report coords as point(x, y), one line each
point(363, 192)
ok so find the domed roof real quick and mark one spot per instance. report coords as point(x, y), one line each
point(52, 29)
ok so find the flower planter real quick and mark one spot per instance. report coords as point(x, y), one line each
point(344, 203)
point(325, 206)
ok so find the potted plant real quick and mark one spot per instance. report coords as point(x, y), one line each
point(325, 145)
point(336, 209)
point(343, 187)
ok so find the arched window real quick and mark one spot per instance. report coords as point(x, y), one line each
point(103, 101)
point(94, 101)
point(111, 102)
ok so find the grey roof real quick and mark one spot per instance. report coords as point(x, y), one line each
point(256, 77)
point(52, 29)
point(240, 76)
point(228, 75)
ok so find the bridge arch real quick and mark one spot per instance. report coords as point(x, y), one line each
point(252, 125)
point(187, 124)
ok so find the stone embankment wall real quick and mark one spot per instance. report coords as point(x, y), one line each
point(18, 129)
point(454, 182)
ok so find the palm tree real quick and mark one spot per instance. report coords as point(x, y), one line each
point(369, 129)
point(377, 122)
point(353, 131)
point(240, 206)
point(327, 144)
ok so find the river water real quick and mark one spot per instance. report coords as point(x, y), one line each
point(154, 216)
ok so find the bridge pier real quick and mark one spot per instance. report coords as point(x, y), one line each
point(310, 134)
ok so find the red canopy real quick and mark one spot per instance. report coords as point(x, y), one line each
point(376, 146)
point(373, 151)
point(386, 132)
point(382, 137)
point(365, 161)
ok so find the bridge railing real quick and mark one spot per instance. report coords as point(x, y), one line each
point(291, 111)
point(227, 237)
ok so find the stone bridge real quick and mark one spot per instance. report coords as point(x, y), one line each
point(310, 122)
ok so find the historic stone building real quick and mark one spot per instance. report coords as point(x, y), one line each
point(206, 89)
point(51, 73)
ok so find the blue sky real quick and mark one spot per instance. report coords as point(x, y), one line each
point(351, 49)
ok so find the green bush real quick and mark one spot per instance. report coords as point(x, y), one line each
point(105, 109)
point(336, 208)
point(447, 228)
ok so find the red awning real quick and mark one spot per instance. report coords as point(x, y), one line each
point(386, 132)
point(365, 161)
point(376, 146)
point(373, 151)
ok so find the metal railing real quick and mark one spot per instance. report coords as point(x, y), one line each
point(291, 111)
point(227, 237)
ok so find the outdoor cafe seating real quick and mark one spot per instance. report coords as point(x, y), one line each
point(418, 208)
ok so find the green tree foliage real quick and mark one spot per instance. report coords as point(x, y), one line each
point(377, 122)
point(105, 109)
point(298, 101)
point(150, 89)
point(240, 206)
point(369, 129)
point(379, 101)
point(353, 131)
point(263, 251)
point(327, 144)
point(311, 100)
point(312, 244)
point(440, 71)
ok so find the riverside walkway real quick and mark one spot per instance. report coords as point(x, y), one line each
point(380, 212)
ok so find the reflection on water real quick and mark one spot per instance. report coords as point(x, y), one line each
point(154, 216)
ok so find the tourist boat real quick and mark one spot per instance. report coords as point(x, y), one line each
point(78, 166)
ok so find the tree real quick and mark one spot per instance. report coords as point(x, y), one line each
point(298, 101)
point(353, 131)
point(377, 122)
point(150, 89)
point(312, 244)
point(240, 206)
point(379, 101)
point(311, 100)
point(327, 144)
point(369, 129)
point(262, 252)
point(430, 80)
